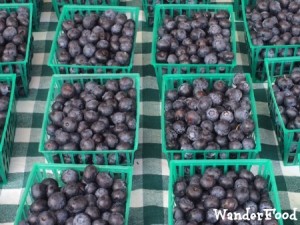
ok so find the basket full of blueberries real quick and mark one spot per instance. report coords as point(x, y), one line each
point(209, 117)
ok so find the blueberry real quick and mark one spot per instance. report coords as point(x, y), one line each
point(211, 216)
point(263, 205)
point(234, 94)
point(179, 127)
point(207, 125)
point(248, 143)
point(222, 127)
point(246, 174)
point(241, 114)
point(212, 114)
point(199, 144)
point(284, 83)
point(185, 89)
point(69, 176)
point(201, 83)
point(193, 132)
point(236, 135)
point(230, 204)
point(241, 183)
point(194, 192)
point(82, 219)
point(260, 183)
point(47, 218)
point(216, 97)
point(185, 204)
point(220, 85)
point(196, 215)
point(192, 118)
point(207, 182)
point(226, 182)
point(205, 103)
point(227, 116)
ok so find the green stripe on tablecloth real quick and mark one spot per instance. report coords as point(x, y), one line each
point(8, 213)
point(151, 150)
point(18, 149)
point(26, 120)
point(154, 215)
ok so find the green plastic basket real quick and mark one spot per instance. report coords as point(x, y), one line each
point(36, 6)
point(42, 171)
point(58, 4)
point(289, 148)
point(163, 68)
point(149, 6)
point(23, 67)
point(8, 135)
point(55, 87)
point(171, 82)
point(68, 13)
point(256, 61)
point(261, 167)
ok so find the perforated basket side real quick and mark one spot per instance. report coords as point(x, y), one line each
point(8, 132)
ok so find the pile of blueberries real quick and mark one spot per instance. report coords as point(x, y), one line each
point(4, 104)
point(209, 118)
point(286, 91)
point(90, 2)
point(152, 3)
point(197, 198)
point(274, 23)
point(205, 38)
point(96, 39)
point(93, 117)
point(14, 27)
point(95, 199)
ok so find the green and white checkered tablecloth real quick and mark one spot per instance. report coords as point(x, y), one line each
point(150, 182)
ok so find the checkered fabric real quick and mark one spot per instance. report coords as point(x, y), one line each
point(149, 200)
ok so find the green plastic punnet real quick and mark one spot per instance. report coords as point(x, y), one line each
point(8, 133)
point(161, 11)
point(68, 13)
point(55, 87)
point(23, 67)
point(256, 61)
point(289, 148)
point(263, 167)
point(149, 6)
point(171, 82)
point(59, 4)
point(42, 171)
point(36, 7)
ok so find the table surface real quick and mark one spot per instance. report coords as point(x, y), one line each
point(149, 200)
